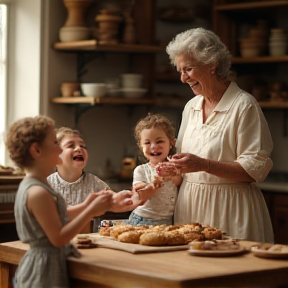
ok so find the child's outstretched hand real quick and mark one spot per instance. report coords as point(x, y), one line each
point(122, 201)
point(101, 204)
point(94, 195)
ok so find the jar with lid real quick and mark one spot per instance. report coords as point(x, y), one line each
point(108, 27)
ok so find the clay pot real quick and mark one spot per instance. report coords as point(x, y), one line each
point(76, 10)
point(129, 35)
point(68, 89)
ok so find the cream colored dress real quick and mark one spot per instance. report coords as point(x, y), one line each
point(235, 132)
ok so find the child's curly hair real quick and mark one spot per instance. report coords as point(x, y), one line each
point(156, 121)
point(63, 131)
point(22, 134)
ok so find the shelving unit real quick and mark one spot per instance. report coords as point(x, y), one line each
point(143, 53)
point(228, 19)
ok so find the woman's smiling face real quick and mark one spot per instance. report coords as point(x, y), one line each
point(74, 153)
point(197, 75)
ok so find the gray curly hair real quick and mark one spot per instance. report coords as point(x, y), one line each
point(203, 45)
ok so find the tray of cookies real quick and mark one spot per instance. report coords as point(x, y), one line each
point(140, 239)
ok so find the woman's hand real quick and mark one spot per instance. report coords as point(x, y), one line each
point(188, 163)
point(183, 163)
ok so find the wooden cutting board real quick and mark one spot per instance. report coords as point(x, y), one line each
point(109, 242)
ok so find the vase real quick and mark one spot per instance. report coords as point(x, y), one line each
point(76, 10)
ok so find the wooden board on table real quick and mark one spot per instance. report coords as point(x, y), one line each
point(109, 242)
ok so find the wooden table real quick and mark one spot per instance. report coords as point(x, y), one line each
point(163, 269)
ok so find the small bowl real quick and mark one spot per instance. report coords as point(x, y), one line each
point(247, 52)
point(131, 80)
point(133, 92)
point(70, 34)
point(94, 89)
point(276, 49)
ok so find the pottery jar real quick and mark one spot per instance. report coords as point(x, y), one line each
point(108, 26)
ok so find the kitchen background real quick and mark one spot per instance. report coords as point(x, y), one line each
point(38, 69)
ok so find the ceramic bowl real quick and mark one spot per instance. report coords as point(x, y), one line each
point(70, 34)
point(133, 92)
point(277, 49)
point(94, 89)
point(131, 80)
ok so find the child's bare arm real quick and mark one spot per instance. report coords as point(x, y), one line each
point(177, 180)
point(75, 210)
point(41, 204)
point(145, 191)
point(122, 201)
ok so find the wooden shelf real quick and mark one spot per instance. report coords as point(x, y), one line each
point(168, 77)
point(94, 46)
point(250, 5)
point(103, 100)
point(278, 105)
point(140, 101)
point(261, 59)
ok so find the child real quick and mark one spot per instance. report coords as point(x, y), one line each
point(71, 181)
point(155, 135)
point(42, 219)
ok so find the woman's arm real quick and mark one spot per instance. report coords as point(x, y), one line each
point(177, 180)
point(188, 163)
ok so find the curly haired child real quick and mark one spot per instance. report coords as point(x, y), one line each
point(155, 135)
point(42, 218)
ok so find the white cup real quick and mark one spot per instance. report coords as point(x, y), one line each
point(131, 80)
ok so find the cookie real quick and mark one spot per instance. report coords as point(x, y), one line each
point(86, 246)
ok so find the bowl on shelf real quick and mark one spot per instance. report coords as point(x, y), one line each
point(250, 47)
point(94, 89)
point(133, 92)
point(70, 34)
point(277, 49)
point(131, 80)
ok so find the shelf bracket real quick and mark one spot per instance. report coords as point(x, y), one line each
point(79, 110)
point(83, 58)
point(285, 123)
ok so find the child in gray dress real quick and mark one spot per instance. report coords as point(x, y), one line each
point(70, 179)
point(42, 218)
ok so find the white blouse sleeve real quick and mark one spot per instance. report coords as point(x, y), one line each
point(254, 143)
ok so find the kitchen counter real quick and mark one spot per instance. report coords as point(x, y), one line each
point(279, 187)
point(275, 182)
point(115, 268)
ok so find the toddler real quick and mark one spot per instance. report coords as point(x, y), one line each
point(155, 135)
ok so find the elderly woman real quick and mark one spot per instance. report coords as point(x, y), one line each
point(224, 143)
